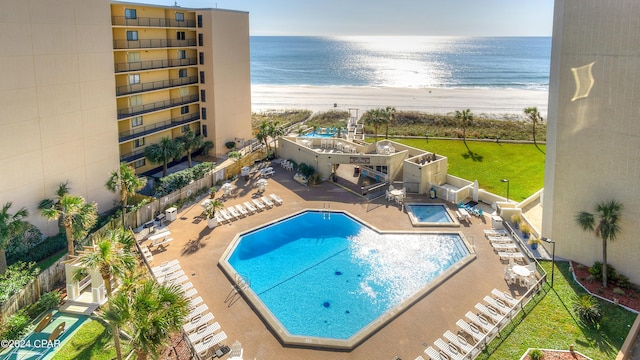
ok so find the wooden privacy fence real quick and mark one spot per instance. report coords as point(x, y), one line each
point(45, 281)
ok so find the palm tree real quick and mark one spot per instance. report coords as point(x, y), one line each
point(375, 118)
point(127, 183)
point(77, 216)
point(275, 130)
point(163, 152)
point(263, 134)
point(112, 259)
point(606, 228)
point(535, 118)
point(150, 312)
point(63, 189)
point(10, 226)
point(465, 118)
point(190, 143)
point(390, 115)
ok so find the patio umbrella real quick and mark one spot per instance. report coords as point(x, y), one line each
point(262, 184)
point(226, 187)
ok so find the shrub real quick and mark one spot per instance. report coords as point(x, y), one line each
point(536, 354)
point(15, 326)
point(42, 251)
point(596, 271)
point(306, 170)
point(16, 276)
point(230, 144)
point(235, 155)
point(588, 309)
point(19, 246)
point(623, 282)
point(618, 291)
point(175, 181)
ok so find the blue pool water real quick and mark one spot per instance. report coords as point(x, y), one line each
point(318, 135)
point(430, 213)
point(330, 276)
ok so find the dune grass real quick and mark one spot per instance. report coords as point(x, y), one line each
point(92, 341)
point(489, 162)
point(550, 323)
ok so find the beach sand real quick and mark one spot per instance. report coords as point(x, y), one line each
point(500, 103)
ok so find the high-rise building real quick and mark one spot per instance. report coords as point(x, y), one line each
point(593, 133)
point(88, 84)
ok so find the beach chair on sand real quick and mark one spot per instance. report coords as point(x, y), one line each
point(267, 202)
point(226, 215)
point(276, 198)
point(448, 349)
point(233, 212)
point(208, 343)
point(202, 332)
point(57, 331)
point(197, 321)
point(259, 204)
point(434, 354)
point(242, 210)
point(252, 209)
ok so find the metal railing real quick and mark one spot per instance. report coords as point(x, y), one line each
point(160, 105)
point(155, 85)
point(132, 156)
point(152, 43)
point(150, 129)
point(152, 22)
point(154, 64)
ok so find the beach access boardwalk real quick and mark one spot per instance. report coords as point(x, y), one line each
point(198, 249)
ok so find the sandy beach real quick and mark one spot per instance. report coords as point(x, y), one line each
point(501, 103)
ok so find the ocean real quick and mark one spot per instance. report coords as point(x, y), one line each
point(402, 61)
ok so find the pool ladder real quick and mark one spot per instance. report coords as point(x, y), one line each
point(238, 287)
point(326, 211)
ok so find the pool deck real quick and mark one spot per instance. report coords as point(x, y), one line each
point(199, 248)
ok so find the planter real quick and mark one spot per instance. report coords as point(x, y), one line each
point(211, 223)
point(534, 246)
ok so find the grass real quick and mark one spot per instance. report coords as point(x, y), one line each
point(92, 341)
point(489, 162)
point(550, 323)
point(44, 264)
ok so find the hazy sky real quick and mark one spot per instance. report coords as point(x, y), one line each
point(399, 17)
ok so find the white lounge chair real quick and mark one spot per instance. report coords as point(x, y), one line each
point(203, 332)
point(168, 276)
point(199, 310)
point(495, 232)
point(166, 264)
point(166, 270)
point(507, 298)
point(434, 354)
point(233, 212)
point(450, 350)
point(461, 343)
point(193, 303)
point(472, 330)
point(186, 286)
point(481, 321)
point(276, 198)
point(252, 209)
point(490, 313)
point(190, 293)
point(146, 253)
point(504, 239)
point(208, 343)
point(259, 204)
point(221, 218)
point(505, 247)
point(226, 215)
point(242, 210)
point(267, 202)
point(497, 304)
point(236, 351)
point(197, 321)
point(176, 280)
point(506, 256)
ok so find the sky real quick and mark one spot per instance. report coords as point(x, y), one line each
point(399, 17)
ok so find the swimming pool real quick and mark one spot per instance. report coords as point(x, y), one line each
point(318, 135)
point(430, 215)
point(35, 345)
point(325, 279)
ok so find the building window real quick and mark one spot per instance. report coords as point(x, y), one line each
point(130, 14)
point(134, 79)
point(182, 54)
point(184, 110)
point(201, 77)
point(139, 163)
point(132, 35)
point(135, 100)
point(204, 130)
point(179, 16)
point(204, 113)
point(200, 39)
point(201, 58)
point(180, 35)
point(136, 121)
point(184, 92)
point(186, 128)
point(182, 73)
point(133, 57)
point(203, 96)
point(199, 21)
point(138, 142)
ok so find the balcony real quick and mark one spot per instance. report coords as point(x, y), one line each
point(150, 129)
point(160, 105)
point(152, 43)
point(154, 64)
point(132, 156)
point(155, 85)
point(152, 22)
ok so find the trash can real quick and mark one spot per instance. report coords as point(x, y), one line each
point(245, 171)
point(171, 213)
point(432, 193)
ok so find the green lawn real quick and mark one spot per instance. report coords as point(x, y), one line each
point(92, 341)
point(489, 162)
point(551, 324)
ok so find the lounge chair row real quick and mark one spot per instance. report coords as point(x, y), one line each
point(200, 331)
point(247, 208)
point(475, 330)
point(471, 210)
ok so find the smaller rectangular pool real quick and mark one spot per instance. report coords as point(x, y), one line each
point(430, 215)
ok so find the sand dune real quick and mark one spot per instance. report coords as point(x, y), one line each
point(507, 103)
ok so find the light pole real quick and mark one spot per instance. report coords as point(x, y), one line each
point(506, 181)
point(553, 256)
